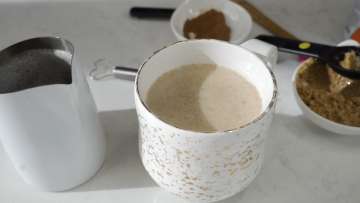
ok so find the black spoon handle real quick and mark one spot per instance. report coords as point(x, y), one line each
point(147, 12)
point(296, 46)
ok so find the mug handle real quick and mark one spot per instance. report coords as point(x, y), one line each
point(349, 42)
point(264, 50)
point(103, 70)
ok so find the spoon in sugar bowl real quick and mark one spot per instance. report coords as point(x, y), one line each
point(331, 55)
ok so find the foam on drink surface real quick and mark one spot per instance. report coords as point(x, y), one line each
point(204, 98)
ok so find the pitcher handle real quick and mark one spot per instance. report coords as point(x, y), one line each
point(265, 51)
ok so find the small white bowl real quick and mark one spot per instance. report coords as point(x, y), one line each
point(236, 17)
point(315, 117)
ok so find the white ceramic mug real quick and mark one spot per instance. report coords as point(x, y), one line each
point(206, 166)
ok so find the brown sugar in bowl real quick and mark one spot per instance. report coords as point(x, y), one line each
point(315, 117)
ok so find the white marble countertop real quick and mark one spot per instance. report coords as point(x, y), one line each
point(303, 162)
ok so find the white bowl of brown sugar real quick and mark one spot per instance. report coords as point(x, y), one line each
point(211, 19)
point(327, 99)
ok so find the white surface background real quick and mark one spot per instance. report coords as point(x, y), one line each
point(303, 163)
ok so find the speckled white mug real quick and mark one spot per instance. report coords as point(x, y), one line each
point(205, 167)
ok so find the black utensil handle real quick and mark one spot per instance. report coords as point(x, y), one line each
point(296, 46)
point(147, 12)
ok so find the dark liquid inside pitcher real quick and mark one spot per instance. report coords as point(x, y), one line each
point(22, 67)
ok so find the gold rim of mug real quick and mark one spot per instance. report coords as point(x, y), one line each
point(269, 107)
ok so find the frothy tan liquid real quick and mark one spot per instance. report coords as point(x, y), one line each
point(204, 98)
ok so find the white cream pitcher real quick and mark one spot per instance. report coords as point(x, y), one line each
point(48, 121)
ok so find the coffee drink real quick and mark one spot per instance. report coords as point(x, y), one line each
point(204, 98)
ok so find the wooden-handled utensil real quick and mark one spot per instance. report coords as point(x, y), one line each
point(260, 18)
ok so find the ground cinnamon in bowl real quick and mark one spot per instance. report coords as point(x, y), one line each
point(209, 25)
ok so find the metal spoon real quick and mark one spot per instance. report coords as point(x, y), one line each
point(330, 55)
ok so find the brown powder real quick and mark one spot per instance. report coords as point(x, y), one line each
point(209, 25)
point(329, 94)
